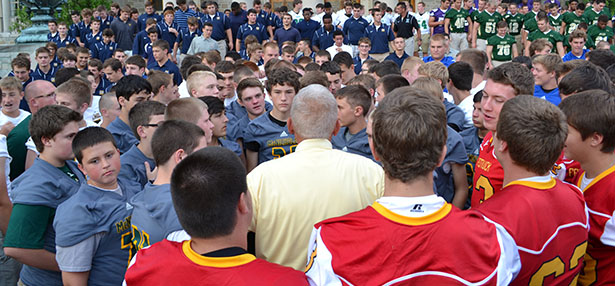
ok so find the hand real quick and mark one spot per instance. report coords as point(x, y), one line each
point(230, 46)
point(81, 44)
point(473, 45)
point(338, 49)
point(172, 30)
point(151, 174)
point(6, 128)
point(174, 59)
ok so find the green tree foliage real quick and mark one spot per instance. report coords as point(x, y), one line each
point(78, 5)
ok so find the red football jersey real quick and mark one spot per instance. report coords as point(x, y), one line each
point(175, 263)
point(600, 258)
point(376, 246)
point(488, 173)
point(548, 221)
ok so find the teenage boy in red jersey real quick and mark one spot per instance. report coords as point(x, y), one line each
point(503, 83)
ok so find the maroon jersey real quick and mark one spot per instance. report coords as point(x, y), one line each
point(599, 266)
point(175, 263)
point(488, 173)
point(376, 246)
point(548, 221)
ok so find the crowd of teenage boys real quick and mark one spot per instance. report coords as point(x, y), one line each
point(471, 144)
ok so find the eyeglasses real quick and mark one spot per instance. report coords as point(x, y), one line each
point(150, 125)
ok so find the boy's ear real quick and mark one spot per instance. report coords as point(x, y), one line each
point(82, 169)
point(358, 111)
point(179, 155)
point(291, 126)
point(596, 139)
point(45, 141)
point(21, 94)
point(122, 101)
point(141, 132)
point(83, 108)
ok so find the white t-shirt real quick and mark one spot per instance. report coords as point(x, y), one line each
point(467, 106)
point(183, 90)
point(92, 114)
point(15, 120)
point(423, 21)
point(333, 50)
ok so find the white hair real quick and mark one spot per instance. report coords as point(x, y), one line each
point(314, 112)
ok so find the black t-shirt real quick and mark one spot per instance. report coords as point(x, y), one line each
point(404, 26)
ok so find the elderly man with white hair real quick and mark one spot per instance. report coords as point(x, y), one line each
point(316, 182)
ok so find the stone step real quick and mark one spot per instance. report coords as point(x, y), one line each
point(10, 51)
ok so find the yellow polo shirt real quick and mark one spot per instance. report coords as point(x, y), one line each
point(291, 194)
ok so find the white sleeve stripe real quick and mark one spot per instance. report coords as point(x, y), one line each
point(608, 234)
point(599, 214)
point(570, 225)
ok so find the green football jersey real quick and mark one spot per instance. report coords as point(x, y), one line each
point(488, 24)
point(514, 23)
point(592, 16)
point(502, 47)
point(458, 19)
point(598, 35)
point(530, 15)
point(530, 25)
point(553, 37)
point(572, 22)
point(556, 22)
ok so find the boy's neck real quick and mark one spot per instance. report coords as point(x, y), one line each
point(146, 148)
point(552, 84)
point(44, 69)
point(214, 141)
point(459, 95)
point(109, 186)
point(58, 163)
point(357, 125)
point(124, 117)
point(163, 61)
point(422, 186)
point(513, 172)
point(363, 56)
point(11, 114)
point(400, 53)
point(164, 173)
point(206, 245)
point(253, 116)
point(281, 116)
point(596, 162)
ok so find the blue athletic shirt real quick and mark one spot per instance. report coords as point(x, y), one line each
point(124, 138)
point(269, 137)
point(380, 38)
point(133, 168)
point(443, 175)
point(357, 144)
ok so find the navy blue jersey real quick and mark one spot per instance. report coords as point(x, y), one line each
point(354, 29)
point(237, 111)
point(62, 43)
point(282, 35)
point(358, 63)
point(84, 29)
point(262, 19)
point(443, 175)
point(103, 51)
point(380, 38)
point(143, 18)
point(455, 118)
point(49, 76)
point(45, 185)
point(274, 21)
point(73, 30)
point(99, 211)
point(357, 144)
point(231, 145)
point(53, 37)
point(220, 23)
point(92, 39)
point(398, 60)
point(258, 30)
point(55, 62)
point(168, 67)
point(103, 86)
point(185, 38)
point(269, 137)
point(138, 45)
point(133, 168)
point(307, 28)
point(106, 22)
point(163, 31)
point(124, 138)
point(153, 215)
point(323, 38)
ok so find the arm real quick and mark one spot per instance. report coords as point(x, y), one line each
point(174, 54)
point(475, 27)
point(489, 52)
point(470, 25)
point(251, 160)
point(562, 29)
point(30, 156)
point(5, 202)
point(560, 49)
point(447, 22)
point(237, 45)
point(460, 180)
point(38, 258)
point(432, 22)
point(524, 37)
point(229, 36)
point(527, 48)
point(243, 154)
point(75, 278)
point(515, 52)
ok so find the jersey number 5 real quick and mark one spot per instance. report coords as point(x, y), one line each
point(557, 267)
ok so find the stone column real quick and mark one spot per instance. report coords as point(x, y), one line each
point(6, 15)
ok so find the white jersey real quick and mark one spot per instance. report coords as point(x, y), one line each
point(423, 21)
